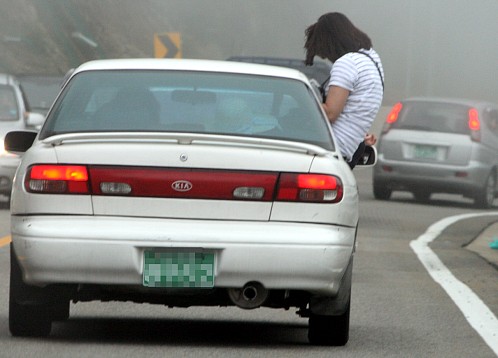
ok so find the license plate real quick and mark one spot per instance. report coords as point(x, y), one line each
point(425, 152)
point(178, 269)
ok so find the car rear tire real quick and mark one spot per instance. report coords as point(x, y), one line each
point(30, 313)
point(486, 195)
point(381, 191)
point(329, 330)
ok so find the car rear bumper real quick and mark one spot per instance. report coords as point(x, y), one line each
point(110, 250)
point(435, 177)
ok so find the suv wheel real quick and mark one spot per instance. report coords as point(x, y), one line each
point(421, 196)
point(30, 313)
point(381, 191)
point(486, 196)
point(329, 330)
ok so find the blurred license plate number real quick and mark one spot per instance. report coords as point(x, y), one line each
point(425, 152)
point(178, 269)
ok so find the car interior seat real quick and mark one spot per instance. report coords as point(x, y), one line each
point(132, 108)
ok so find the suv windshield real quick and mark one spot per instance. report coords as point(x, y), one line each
point(8, 104)
point(195, 102)
point(434, 117)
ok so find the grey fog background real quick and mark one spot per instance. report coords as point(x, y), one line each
point(428, 47)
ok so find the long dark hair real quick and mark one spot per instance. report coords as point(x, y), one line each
point(333, 36)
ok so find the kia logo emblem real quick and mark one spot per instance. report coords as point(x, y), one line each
point(181, 185)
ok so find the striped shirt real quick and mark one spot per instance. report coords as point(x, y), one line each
point(358, 74)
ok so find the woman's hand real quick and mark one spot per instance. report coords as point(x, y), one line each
point(370, 139)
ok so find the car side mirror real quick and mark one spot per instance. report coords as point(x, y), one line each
point(35, 120)
point(369, 157)
point(18, 142)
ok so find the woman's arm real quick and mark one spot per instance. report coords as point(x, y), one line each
point(335, 102)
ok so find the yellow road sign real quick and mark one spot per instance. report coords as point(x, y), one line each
point(168, 45)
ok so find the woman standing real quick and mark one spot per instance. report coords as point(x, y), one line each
point(355, 89)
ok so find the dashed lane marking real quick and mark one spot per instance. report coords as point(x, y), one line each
point(480, 317)
point(5, 240)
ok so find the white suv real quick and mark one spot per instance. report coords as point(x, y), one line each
point(14, 115)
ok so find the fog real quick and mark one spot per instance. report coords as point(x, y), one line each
point(430, 48)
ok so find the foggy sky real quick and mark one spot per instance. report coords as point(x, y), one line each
point(428, 47)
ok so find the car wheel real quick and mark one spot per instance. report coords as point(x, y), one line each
point(421, 196)
point(381, 192)
point(486, 196)
point(27, 316)
point(329, 330)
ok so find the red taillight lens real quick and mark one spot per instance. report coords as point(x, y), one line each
point(393, 115)
point(474, 124)
point(47, 178)
point(318, 188)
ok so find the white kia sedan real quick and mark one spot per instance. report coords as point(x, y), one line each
point(183, 183)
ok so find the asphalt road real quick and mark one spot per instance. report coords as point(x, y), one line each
point(398, 310)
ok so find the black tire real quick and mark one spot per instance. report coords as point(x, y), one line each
point(329, 330)
point(60, 311)
point(421, 196)
point(485, 197)
point(29, 313)
point(381, 192)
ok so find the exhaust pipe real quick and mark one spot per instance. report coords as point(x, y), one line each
point(252, 295)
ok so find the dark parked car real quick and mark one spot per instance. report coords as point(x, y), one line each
point(434, 145)
point(41, 90)
point(320, 70)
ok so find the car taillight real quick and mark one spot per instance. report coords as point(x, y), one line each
point(474, 125)
point(317, 188)
point(57, 179)
point(392, 116)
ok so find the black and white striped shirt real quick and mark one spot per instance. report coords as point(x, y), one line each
point(358, 74)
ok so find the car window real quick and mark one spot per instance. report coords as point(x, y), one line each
point(8, 104)
point(491, 119)
point(176, 101)
point(433, 117)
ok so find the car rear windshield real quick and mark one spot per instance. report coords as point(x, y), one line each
point(434, 117)
point(194, 102)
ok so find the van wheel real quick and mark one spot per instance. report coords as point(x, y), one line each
point(381, 191)
point(29, 310)
point(486, 196)
point(329, 330)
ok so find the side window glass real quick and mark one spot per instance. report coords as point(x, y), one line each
point(492, 120)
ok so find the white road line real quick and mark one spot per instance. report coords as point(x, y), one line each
point(480, 317)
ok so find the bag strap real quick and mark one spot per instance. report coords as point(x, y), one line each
point(376, 65)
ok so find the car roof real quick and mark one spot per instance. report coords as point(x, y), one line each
point(450, 100)
point(191, 65)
